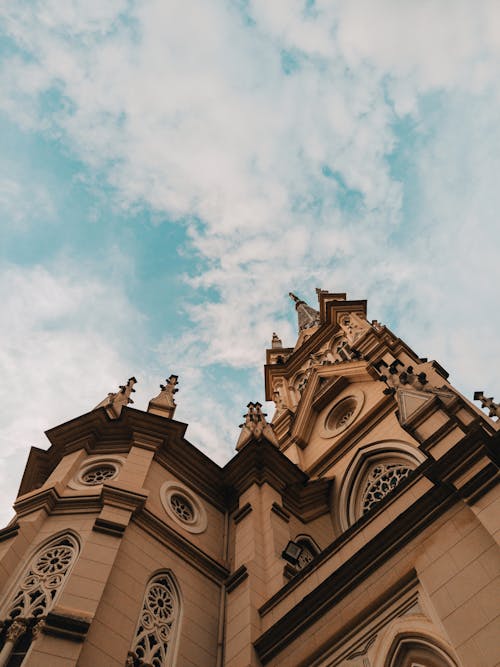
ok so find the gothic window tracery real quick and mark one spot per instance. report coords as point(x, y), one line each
point(43, 579)
point(158, 623)
point(34, 596)
point(382, 479)
point(98, 474)
point(182, 507)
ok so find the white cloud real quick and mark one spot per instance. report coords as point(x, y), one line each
point(20, 203)
point(61, 350)
point(190, 113)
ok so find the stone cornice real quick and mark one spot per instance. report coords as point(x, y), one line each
point(123, 498)
point(308, 501)
point(260, 462)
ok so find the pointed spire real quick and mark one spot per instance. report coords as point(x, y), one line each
point(114, 402)
point(307, 316)
point(255, 427)
point(164, 404)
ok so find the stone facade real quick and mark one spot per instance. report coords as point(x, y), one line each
point(131, 547)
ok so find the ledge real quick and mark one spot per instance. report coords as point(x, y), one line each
point(67, 624)
point(235, 579)
point(242, 513)
point(9, 531)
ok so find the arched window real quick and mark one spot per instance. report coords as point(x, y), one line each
point(381, 479)
point(374, 472)
point(418, 653)
point(158, 625)
point(34, 596)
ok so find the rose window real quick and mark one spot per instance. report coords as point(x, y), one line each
point(343, 419)
point(53, 560)
point(98, 474)
point(182, 507)
point(160, 602)
point(382, 480)
point(341, 415)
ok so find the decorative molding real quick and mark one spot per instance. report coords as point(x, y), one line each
point(261, 462)
point(308, 501)
point(118, 496)
point(67, 624)
point(43, 499)
point(9, 531)
point(110, 527)
point(280, 511)
point(348, 440)
point(242, 513)
point(236, 578)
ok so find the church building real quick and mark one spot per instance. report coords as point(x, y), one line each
point(358, 527)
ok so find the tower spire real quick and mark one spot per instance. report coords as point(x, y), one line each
point(307, 316)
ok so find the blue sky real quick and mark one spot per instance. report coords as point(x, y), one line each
point(169, 171)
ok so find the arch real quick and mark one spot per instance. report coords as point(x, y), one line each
point(395, 459)
point(155, 640)
point(36, 588)
point(42, 576)
point(412, 641)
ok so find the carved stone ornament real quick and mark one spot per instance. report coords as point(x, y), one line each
point(255, 427)
point(157, 621)
point(114, 402)
point(16, 630)
point(43, 579)
point(410, 386)
point(37, 629)
point(488, 403)
point(164, 404)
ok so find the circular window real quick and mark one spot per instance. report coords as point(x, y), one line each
point(342, 414)
point(98, 474)
point(95, 471)
point(183, 506)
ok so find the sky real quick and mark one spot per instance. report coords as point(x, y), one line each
point(170, 170)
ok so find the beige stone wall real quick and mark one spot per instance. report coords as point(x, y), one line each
point(457, 566)
point(210, 540)
point(140, 556)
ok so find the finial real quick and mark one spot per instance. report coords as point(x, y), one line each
point(255, 427)
point(114, 402)
point(164, 404)
point(276, 341)
point(295, 298)
point(493, 408)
